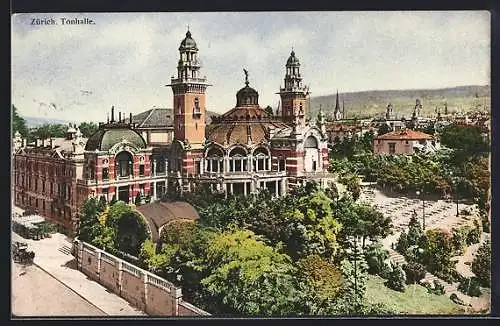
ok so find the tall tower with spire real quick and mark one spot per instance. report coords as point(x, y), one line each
point(294, 94)
point(337, 114)
point(189, 108)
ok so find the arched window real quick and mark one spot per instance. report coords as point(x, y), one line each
point(261, 159)
point(124, 164)
point(237, 160)
point(214, 159)
point(311, 142)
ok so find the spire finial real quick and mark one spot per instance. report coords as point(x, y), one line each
point(246, 76)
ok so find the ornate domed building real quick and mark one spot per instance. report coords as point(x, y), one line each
point(245, 148)
point(117, 162)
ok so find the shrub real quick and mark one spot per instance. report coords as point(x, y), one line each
point(397, 279)
point(402, 244)
point(474, 235)
point(137, 200)
point(470, 287)
point(385, 269)
point(113, 200)
point(438, 288)
point(459, 240)
point(481, 264)
point(375, 257)
point(485, 222)
point(439, 251)
point(414, 272)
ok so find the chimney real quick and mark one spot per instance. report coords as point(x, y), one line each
point(108, 118)
point(112, 114)
point(119, 117)
point(130, 119)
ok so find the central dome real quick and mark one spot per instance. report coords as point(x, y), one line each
point(105, 138)
point(247, 96)
point(188, 43)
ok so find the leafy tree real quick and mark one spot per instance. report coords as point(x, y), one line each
point(383, 129)
point(248, 277)
point(323, 283)
point(414, 272)
point(312, 227)
point(376, 257)
point(353, 185)
point(402, 244)
point(42, 132)
point(466, 140)
point(362, 220)
point(57, 130)
point(355, 273)
point(415, 231)
point(397, 279)
point(478, 181)
point(481, 265)
point(186, 242)
point(88, 128)
point(130, 228)
point(157, 263)
point(18, 123)
point(113, 200)
point(89, 227)
point(439, 251)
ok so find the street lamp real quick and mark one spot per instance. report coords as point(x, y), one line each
point(423, 209)
point(454, 180)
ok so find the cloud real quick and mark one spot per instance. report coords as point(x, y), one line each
point(126, 59)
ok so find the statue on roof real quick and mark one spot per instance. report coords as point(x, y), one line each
point(246, 76)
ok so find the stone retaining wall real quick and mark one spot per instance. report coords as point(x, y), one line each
point(143, 289)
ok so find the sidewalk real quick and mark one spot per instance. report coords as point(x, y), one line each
point(53, 256)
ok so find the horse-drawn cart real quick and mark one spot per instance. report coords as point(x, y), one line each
point(21, 254)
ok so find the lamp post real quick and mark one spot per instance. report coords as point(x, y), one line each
point(423, 209)
point(454, 180)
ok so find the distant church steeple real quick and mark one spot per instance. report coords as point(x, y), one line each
point(336, 110)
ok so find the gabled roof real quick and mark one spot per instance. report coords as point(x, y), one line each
point(405, 135)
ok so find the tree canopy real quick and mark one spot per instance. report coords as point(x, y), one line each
point(18, 123)
point(88, 128)
point(249, 277)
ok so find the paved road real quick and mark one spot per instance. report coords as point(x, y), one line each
point(36, 293)
point(53, 256)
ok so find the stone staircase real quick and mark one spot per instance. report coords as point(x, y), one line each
point(396, 257)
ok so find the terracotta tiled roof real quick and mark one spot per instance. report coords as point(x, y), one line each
point(405, 135)
point(240, 123)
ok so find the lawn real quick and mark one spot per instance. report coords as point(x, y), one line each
point(415, 299)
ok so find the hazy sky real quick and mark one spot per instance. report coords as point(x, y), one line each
point(126, 59)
